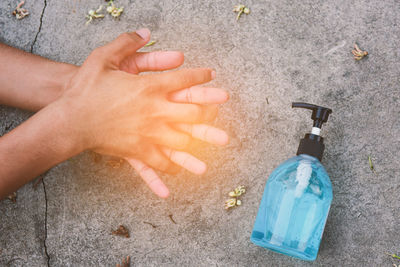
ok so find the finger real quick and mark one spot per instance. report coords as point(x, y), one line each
point(205, 133)
point(150, 177)
point(154, 158)
point(185, 160)
point(190, 113)
point(184, 78)
point(209, 113)
point(126, 44)
point(200, 95)
point(167, 136)
point(158, 61)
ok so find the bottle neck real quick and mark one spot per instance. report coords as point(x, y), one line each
point(312, 144)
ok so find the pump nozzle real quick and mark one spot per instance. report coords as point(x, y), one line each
point(319, 114)
point(313, 144)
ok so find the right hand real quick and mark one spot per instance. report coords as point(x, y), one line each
point(118, 113)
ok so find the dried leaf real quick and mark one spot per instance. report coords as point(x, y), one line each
point(95, 157)
point(115, 164)
point(13, 197)
point(125, 262)
point(121, 231)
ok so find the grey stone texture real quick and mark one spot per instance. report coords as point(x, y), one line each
point(283, 51)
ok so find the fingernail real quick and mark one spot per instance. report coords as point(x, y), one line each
point(143, 33)
point(213, 74)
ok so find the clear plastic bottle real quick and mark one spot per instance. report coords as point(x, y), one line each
point(297, 197)
point(294, 208)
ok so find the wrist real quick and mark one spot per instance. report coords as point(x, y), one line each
point(75, 131)
point(60, 79)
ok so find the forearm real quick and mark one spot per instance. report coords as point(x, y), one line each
point(29, 81)
point(41, 142)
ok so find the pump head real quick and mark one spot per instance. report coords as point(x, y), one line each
point(319, 114)
point(313, 144)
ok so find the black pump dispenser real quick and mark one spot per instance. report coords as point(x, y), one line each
point(313, 144)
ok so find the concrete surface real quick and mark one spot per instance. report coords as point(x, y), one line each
point(283, 51)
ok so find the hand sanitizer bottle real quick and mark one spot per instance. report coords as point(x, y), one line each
point(296, 200)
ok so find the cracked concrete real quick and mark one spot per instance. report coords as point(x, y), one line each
point(283, 51)
point(40, 27)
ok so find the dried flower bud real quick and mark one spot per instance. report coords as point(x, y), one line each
point(240, 9)
point(20, 12)
point(94, 14)
point(239, 191)
point(113, 10)
point(358, 53)
point(230, 203)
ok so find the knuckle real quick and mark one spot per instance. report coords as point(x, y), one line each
point(184, 141)
point(172, 169)
point(124, 37)
point(97, 53)
point(144, 170)
point(204, 76)
point(163, 165)
point(186, 76)
point(151, 60)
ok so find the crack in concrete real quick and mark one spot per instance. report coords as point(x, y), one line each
point(45, 224)
point(40, 26)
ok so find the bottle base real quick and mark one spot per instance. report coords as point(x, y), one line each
point(283, 249)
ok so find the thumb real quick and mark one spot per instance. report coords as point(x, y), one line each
point(126, 44)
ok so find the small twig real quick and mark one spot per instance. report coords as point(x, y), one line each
point(267, 100)
point(152, 225)
point(150, 43)
point(393, 255)
point(172, 220)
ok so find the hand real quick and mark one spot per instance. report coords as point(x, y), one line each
point(134, 118)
